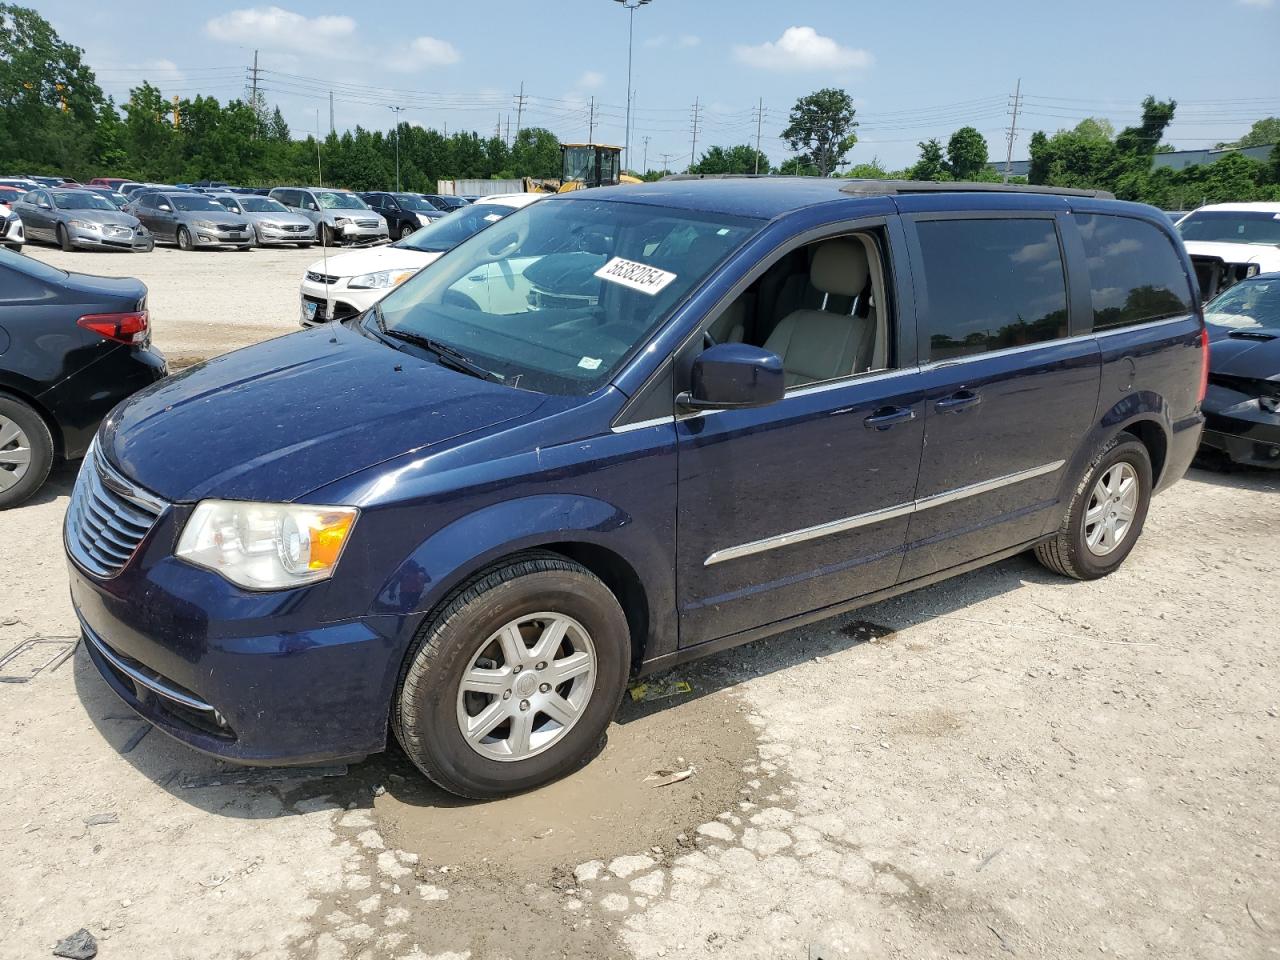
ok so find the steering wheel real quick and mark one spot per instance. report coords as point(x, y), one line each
point(456, 298)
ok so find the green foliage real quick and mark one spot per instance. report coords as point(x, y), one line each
point(966, 154)
point(740, 159)
point(821, 129)
point(1263, 132)
point(873, 170)
point(932, 164)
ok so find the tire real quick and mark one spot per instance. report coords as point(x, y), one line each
point(430, 706)
point(1069, 552)
point(19, 480)
point(324, 234)
point(151, 245)
point(184, 239)
point(64, 239)
point(406, 231)
point(305, 246)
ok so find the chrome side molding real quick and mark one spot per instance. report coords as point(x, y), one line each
point(877, 516)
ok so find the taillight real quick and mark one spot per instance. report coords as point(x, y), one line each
point(121, 327)
point(1204, 364)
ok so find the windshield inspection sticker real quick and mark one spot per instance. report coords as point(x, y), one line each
point(637, 276)
point(589, 363)
point(493, 218)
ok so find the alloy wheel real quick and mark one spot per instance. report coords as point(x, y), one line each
point(526, 686)
point(15, 453)
point(1113, 503)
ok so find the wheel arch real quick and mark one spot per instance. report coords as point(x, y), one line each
point(22, 396)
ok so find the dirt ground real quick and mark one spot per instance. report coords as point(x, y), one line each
point(1006, 764)
point(204, 302)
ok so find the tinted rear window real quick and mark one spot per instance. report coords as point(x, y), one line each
point(991, 284)
point(1135, 274)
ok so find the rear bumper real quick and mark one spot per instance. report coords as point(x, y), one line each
point(79, 403)
point(1184, 440)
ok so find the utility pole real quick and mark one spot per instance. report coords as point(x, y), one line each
point(666, 163)
point(397, 111)
point(507, 139)
point(253, 96)
point(520, 109)
point(1015, 103)
point(693, 150)
point(759, 124)
point(331, 127)
point(177, 116)
point(646, 154)
point(630, 6)
point(591, 120)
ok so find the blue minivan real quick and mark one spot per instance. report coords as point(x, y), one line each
point(621, 429)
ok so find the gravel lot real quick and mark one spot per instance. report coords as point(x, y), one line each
point(1007, 764)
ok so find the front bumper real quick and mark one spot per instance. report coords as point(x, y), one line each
point(12, 233)
point(233, 674)
point(271, 236)
point(353, 233)
point(132, 240)
point(321, 304)
point(1236, 425)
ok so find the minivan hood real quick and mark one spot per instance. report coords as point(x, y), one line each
point(375, 258)
point(279, 419)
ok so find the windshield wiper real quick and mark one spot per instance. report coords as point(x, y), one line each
point(449, 355)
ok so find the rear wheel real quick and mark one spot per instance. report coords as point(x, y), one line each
point(406, 231)
point(1106, 513)
point(64, 238)
point(26, 452)
point(513, 683)
point(184, 239)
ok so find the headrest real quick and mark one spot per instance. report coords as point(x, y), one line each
point(839, 267)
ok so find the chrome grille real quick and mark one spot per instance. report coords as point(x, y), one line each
point(108, 517)
point(367, 224)
point(323, 278)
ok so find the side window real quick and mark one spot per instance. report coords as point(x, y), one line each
point(991, 284)
point(1135, 275)
point(822, 308)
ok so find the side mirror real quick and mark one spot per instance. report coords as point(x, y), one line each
point(166, 208)
point(734, 375)
point(43, 205)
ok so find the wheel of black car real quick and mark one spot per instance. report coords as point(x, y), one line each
point(514, 680)
point(26, 452)
point(184, 239)
point(64, 238)
point(1106, 513)
point(406, 231)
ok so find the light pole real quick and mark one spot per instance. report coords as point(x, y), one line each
point(397, 111)
point(630, 6)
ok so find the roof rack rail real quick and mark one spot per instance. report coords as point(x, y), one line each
point(872, 188)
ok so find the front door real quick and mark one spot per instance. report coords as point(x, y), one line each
point(795, 506)
point(1009, 391)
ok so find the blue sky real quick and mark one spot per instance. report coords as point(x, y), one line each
point(916, 70)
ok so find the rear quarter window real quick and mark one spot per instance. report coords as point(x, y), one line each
point(1135, 273)
point(991, 284)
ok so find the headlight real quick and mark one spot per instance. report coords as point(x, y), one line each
point(206, 225)
point(380, 279)
point(266, 546)
point(424, 220)
point(1270, 404)
point(86, 225)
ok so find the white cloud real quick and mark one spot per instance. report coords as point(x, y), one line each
point(431, 52)
point(802, 48)
point(274, 28)
point(590, 80)
point(1260, 4)
point(687, 40)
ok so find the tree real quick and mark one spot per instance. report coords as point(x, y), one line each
point(873, 170)
point(536, 153)
point(1263, 133)
point(932, 165)
point(277, 129)
point(966, 154)
point(821, 129)
point(740, 159)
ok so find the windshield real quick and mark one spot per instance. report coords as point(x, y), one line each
point(449, 231)
point(1231, 226)
point(340, 201)
point(1251, 305)
point(410, 202)
point(262, 205)
point(559, 295)
point(231, 203)
point(81, 201)
point(195, 202)
point(449, 203)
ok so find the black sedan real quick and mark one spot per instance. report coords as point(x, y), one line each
point(72, 346)
point(404, 212)
point(1242, 404)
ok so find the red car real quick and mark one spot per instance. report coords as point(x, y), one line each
point(112, 182)
point(10, 194)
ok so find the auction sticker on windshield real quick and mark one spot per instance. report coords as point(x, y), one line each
point(637, 276)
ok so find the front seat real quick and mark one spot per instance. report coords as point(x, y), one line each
point(816, 345)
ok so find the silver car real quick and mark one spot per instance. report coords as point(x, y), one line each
point(272, 222)
point(191, 220)
point(339, 215)
point(81, 218)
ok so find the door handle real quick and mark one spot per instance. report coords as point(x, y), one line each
point(886, 417)
point(960, 400)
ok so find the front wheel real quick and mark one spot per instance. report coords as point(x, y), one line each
point(64, 239)
point(324, 235)
point(1105, 516)
point(406, 231)
point(184, 239)
point(513, 683)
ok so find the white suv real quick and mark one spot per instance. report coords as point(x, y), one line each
point(1230, 242)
